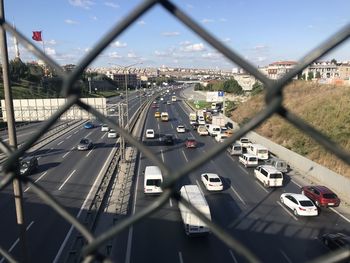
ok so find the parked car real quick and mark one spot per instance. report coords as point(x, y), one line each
point(321, 195)
point(112, 133)
point(244, 142)
point(168, 139)
point(221, 137)
point(104, 128)
point(248, 160)
point(212, 182)
point(150, 134)
point(268, 175)
point(299, 204)
point(202, 130)
point(180, 129)
point(88, 125)
point(191, 142)
point(336, 240)
point(84, 144)
point(279, 164)
point(28, 165)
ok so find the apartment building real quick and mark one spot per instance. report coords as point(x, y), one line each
point(278, 69)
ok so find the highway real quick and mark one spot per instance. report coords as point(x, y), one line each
point(68, 175)
point(248, 211)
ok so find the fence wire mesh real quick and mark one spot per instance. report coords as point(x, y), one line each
point(274, 98)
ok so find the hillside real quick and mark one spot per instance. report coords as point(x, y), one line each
point(326, 107)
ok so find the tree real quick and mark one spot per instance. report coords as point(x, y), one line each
point(232, 86)
point(17, 69)
point(334, 61)
point(310, 75)
point(318, 75)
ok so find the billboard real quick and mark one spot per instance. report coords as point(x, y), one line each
point(215, 96)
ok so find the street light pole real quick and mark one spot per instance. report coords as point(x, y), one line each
point(127, 102)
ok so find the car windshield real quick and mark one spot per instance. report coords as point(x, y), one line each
point(214, 180)
point(275, 176)
point(330, 196)
point(306, 203)
point(155, 182)
point(84, 141)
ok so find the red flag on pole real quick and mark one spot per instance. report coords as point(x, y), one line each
point(37, 36)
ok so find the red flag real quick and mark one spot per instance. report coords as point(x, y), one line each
point(37, 36)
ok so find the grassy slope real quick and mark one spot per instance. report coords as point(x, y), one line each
point(326, 107)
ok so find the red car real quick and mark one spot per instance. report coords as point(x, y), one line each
point(321, 195)
point(191, 143)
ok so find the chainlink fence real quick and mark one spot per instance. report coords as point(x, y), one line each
point(274, 98)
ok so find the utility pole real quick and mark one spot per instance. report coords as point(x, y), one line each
point(17, 187)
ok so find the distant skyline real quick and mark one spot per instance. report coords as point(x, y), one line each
point(260, 31)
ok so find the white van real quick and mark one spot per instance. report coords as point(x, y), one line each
point(235, 149)
point(279, 164)
point(153, 180)
point(214, 130)
point(248, 160)
point(193, 225)
point(268, 175)
point(258, 150)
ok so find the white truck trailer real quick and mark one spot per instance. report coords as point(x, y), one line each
point(193, 225)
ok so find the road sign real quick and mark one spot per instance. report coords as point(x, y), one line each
point(220, 93)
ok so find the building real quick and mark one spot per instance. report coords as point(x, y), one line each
point(344, 71)
point(322, 70)
point(278, 69)
point(121, 80)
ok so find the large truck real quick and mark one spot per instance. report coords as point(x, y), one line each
point(193, 225)
point(218, 120)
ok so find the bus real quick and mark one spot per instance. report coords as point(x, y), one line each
point(173, 98)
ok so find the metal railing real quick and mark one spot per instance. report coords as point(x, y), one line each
point(274, 98)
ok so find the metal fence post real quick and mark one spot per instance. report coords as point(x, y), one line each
point(17, 187)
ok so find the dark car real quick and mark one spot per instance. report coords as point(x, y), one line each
point(336, 240)
point(191, 142)
point(168, 139)
point(321, 195)
point(84, 144)
point(195, 125)
point(88, 125)
point(28, 165)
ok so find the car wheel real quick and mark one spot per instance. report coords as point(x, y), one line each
point(295, 212)
point(265, 184)
point(282, 200)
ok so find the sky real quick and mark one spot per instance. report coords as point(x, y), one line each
point(260, 31)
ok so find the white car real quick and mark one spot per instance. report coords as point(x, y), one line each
point(202, 130)
point(112, 134)
point(299, 204)
point(212, 182)
point(150, 134)
point(221, 137)
point(180, 129)
point(104, 128)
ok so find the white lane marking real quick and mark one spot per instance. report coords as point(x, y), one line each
point(41, 176)
point(342, 216)
point(285, 256)
point(129, 242)
point(261, 187)
point(76, 132)
point(60, 143)
point(170, 203)
point(172, 126)
point(103, 135)
point(239, 197)
point(296, 183)
point(65, 154)
point(16, 242)
point(158, 126)
point(69, 136)
point(88, 134)
point(184, 155)
point(286, 209)
point(58, 255)
point(72, 148)
point(65, 181)
point(233, 256)
point(90, 152)
point(161, 152)
point(244, 170)
point(180, 257)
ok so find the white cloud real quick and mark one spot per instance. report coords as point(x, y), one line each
point(226, 40)
point(170, 34)
point(87, 49)
point(132, 55)
point(207, 20)
point(185, 43)
point(161, 53)
point(51, 42)
point(194, 48)
point(310, 26)
point(50, 51)
point(111, 4)
point(94, 18)
point(119, 44)
point(86, 4)
point(114, 55)
point(71, 22)
point(141, 23)
point(212, 55)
